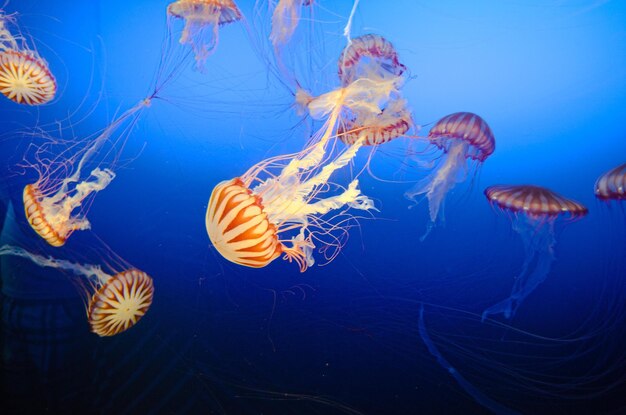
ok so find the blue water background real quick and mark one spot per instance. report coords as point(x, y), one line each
point(548, 77)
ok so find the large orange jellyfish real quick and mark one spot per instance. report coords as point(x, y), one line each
point(57, 202)
point(462, 136)
point(24, 75)
point(534, 211)
point(202, 21)
point(117, 301)
point(612, 184)
point(279, 206)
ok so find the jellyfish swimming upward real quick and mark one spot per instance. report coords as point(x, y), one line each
point(24, 75)
point(117, 301)
point(280, 205)
point(202, 21)
point(612, 184)
point(534, 211)
point(462, 136)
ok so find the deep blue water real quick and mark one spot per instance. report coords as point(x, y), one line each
point(548, 76)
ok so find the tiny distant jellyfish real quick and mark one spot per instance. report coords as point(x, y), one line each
point(612, 184)
point(462, 136)
point(202, 21)
point(55, 204)
point(534, 212)
point(116, 301)
point(278, 206)
point(24, 75)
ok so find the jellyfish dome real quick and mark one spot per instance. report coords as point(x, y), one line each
point(366, 54)
point(534, 211)
point(120, 303)
point(467, 128)
point(462, 136)
point(202, 21)
point(24, 76)
point(612, 184)
point(393, 122)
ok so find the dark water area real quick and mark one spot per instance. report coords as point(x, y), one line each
point(392, 325)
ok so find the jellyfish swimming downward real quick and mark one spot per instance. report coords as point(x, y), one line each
point(277, 207)
point(462, 136)
point(534, 211)
point(24, 76)
point(117, 301)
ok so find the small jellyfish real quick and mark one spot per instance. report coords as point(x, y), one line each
point(368, 54)
point(534, 211)
point(392, 122)
point(117, 300)
point(462, 136)
point(279, 206)
point(24, 75)
point(56, 203)
point(612, 184)
point(202, 21)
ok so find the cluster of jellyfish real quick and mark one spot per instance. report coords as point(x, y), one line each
point(285, 206)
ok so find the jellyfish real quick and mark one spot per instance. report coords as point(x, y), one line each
point(202, 21)
point(278, 206)
point(366, 54)
point(535, 210)
point(57, 202)
point(285, 19)
point(462, 136)
point(117, 300)
point(24, 76)
point(612, 184)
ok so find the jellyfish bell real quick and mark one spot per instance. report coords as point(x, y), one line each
point(612, 184)
point(116, 300)
point(534, 211)
point(202, 21)
point(120, 302)
point(461, 136)
point(24, 76)
point(368, 53)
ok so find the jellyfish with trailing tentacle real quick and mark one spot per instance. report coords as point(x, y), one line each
point(24, 76)
point(56, 203)
point(117, 300)
point(280, 205)
point(612, 184)
point(285, 19)
point(462, 136)
point(202, 21)
point(534, 211)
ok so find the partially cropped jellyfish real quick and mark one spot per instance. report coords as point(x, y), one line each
point(202, 21)
point(56, 203)
point(117, 300)
point(534, 211)
point(279, 206)
point(462, 136)
point(285, 19)
point(612, 184)
point(24, 75)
